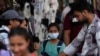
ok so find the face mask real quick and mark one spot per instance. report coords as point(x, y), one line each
point(53, 35)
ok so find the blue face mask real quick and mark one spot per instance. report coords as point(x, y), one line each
point(53, 35)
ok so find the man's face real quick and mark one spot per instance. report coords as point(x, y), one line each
point(80, 16)
point(2, 6)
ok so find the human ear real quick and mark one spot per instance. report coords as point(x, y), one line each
point(84, 12)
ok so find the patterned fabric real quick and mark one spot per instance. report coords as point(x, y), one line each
point(4, 36)
point(90, 36)
point(31, 25)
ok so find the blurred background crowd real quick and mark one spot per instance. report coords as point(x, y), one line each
point(48, 27)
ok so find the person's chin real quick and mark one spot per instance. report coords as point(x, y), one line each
point(17, 54)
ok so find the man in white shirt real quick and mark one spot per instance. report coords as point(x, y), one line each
point(10, 20)
point(89, 34)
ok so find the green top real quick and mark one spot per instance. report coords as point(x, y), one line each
point(51, 49)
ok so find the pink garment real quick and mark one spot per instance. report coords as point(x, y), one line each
point(33, 54)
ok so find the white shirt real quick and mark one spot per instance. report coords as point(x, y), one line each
point(87, 36)
point(4, 36)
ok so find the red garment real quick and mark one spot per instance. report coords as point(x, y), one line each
point(74, 27)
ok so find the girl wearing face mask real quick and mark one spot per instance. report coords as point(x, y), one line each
point(19, 41)
point(53, 46)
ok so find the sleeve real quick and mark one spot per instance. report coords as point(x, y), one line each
point(66, 24)
point(98, 36)
point(72, 48)
point(62, 48)
point(4, 39)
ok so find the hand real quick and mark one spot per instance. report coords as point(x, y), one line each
point(62, 54)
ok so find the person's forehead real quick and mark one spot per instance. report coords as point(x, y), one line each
point(53, 28)
point(75, 12)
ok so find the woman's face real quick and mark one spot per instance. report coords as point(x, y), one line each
point(18, 45)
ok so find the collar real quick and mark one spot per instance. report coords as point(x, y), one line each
point(94, 21)
point(6, 28)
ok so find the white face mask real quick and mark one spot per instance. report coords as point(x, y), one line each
point(53, 35)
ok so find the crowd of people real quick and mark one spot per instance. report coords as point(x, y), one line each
point(79, 35)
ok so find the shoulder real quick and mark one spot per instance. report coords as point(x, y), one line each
point(98, 23)
point(32, 54)
point(61, 43)
point(66, 10)
point(3, 34)
point(4, 51)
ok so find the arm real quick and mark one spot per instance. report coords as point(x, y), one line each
point(67, 30)
point(98, 36)
point(72, 48)
point(66, 37)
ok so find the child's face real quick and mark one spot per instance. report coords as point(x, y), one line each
point(36, 45)
point(18, 45)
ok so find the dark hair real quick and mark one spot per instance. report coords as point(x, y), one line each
point(33, 40)
point(19, 31)
point(1, 22)
point(84, 6)
point(7, 21)
point(22, 32)
point(54, 24)
point(2, 46)
point(26, 21)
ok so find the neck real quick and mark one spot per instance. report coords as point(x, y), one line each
point(53, 41)
point(90, 18)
